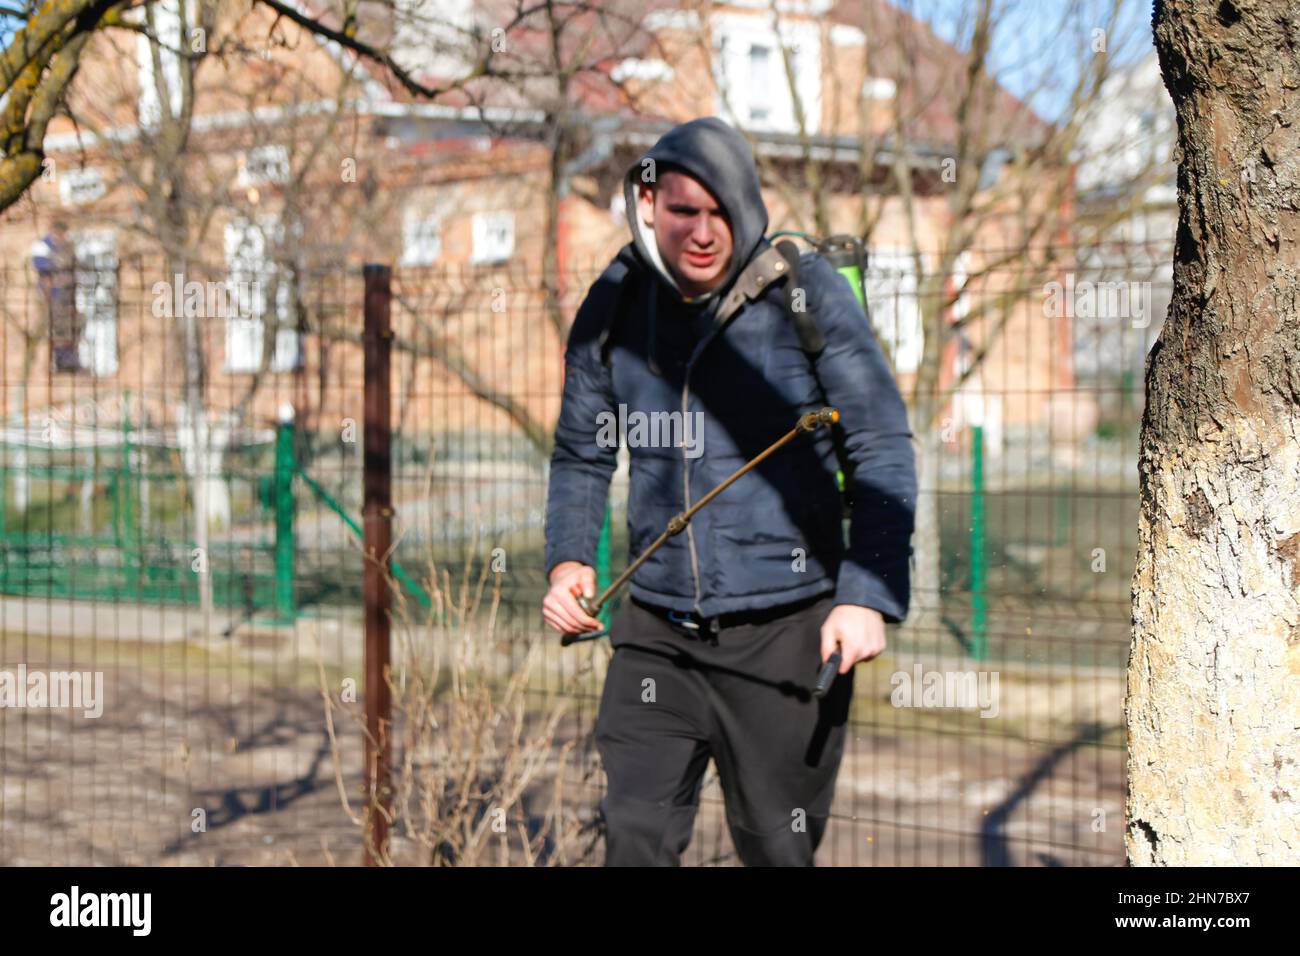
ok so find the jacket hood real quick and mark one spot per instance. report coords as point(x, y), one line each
point(720, 158)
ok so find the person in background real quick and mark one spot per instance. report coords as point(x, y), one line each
point(54, 258)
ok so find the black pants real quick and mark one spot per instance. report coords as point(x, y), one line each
point(671, 701)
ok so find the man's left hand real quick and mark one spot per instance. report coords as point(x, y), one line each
point(858, 631)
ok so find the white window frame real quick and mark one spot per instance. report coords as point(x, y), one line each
point(247, 262)
point(892, 299)
point(642, 70)
point(264, 164)
point(96, 299)
point(760, 73)
point(167, 25)
point(879, 88)
point(429, 36)
point(77, 187)
point(421, 238)
point(766, 106)
point(489, 248)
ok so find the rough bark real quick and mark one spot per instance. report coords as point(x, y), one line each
point(1213, 708)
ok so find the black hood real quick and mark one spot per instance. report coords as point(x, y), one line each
point(720, 158)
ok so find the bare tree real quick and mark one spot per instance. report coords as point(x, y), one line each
point(552, 63)
point(182, 176)
point(38, 66)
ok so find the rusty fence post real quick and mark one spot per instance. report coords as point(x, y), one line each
point(377, 513)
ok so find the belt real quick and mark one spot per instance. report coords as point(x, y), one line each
point(696, 624)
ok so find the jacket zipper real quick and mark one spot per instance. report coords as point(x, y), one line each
point(714, 328)
point(686, 484)
point(686, 462)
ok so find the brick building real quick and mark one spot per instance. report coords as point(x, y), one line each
point(302, 161)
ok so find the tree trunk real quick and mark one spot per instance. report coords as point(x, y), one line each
point(194, 435)
point(925, 613)
point(1212, 711)
point(925, 616)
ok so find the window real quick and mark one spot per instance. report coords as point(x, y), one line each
point(421, 239)
point(722, 56)
point(647, 71)
point(892, 301)
point(244, 257)
point(494, 237)
point(264, 164)
point(167, 29)
point(430, 36)
point(879, 88)
point(96, 299)
point(749, 72)
point(760, 74)
point(288, 343)
point(80, 186)
point(253, 278)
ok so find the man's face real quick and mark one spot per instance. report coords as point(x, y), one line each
point(691, 228)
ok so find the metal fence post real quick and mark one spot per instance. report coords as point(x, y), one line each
point(286, 466)
point(979, 631)
point(603, 569)
point(126, 535)
point(377, 513)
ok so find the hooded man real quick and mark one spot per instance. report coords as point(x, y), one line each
point(727, 624)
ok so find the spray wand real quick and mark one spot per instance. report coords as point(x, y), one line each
point(677, 524)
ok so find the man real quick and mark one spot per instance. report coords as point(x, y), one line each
point(54, 259)
point(717, 649)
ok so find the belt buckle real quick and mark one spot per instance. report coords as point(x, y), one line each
point(683, 620)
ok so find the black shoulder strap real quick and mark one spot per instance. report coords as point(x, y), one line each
point(800, 310)
point(812, 341)
point(611, 310)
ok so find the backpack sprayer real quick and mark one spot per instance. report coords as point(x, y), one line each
point(846, 253)
point(848, 256)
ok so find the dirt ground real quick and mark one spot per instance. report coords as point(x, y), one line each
point(204, 757)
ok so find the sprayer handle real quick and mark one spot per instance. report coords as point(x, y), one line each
point(827, 674)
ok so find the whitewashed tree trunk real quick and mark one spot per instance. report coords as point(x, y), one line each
point(194, 434)
point(925, 613)
point(88, 495)
point(1213, 707)
point(22, 480)
point(140, 459)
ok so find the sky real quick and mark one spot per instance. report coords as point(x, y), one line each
point(1030, 43)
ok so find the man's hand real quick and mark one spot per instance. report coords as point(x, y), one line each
point(560, 608)
point(858, 631)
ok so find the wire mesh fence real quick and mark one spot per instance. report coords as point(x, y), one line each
point(181, 557)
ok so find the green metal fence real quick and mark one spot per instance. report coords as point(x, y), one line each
point(95, 522)
point(125, 557)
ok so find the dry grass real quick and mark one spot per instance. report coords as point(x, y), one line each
point(477, 769)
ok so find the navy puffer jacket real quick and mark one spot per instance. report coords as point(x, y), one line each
point(733, 357)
